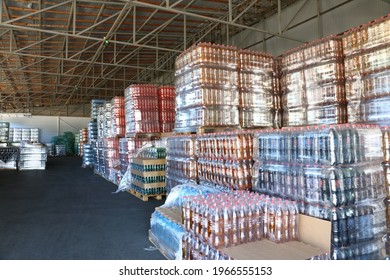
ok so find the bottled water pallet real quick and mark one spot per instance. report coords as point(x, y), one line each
point(145, 197)
point(205, 129)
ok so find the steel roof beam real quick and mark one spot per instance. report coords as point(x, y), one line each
point(211, 19)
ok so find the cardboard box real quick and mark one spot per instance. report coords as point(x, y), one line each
point(147, 173)
point(149, 185)
point(149, 161)
point(314, 240)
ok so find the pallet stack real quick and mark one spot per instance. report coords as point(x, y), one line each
point(206, 88)
point(148, 178)
point(367, 75)
point(312, 84)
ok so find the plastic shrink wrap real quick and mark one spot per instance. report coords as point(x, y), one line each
point(367, 72)
point(206, 82)
point(33, 156)
point(312, 84)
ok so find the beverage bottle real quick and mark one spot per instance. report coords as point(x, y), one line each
point(205, 232)
point(272, 220)
point(337, 190)
point(333, 153)
point(335, 235)
point(257, 220)
point(242, 226)
point(227, 225)
point(265, 206)
point(184, 208)
point(343, 227)
point(234, 225)
point(293, 220)
point(286, 221)
point(279, 222)
point(249, 221)
point(217, 228)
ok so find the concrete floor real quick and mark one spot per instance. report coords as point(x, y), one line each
point(66, 212)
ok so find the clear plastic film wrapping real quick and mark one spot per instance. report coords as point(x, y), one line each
point(206, 82)
point(118, 122)
point(358, 231)
point(330, 145)
point(141, 109)
point(181, 160)
point(166, 230)
point(318, 184)
point(128, 149)
point(32, 156)
point(312, 84)
point(167, 235)
point(257, 73)
point(167, 107)
point(225, 159)
point(366, 50)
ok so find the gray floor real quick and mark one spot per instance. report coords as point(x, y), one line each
point(67, 212)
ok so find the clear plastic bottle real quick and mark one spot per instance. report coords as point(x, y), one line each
point(234, 226)
point(278, 232)
point(286, 220)
point(227, 225)
point(293, 221)
point(272, 220)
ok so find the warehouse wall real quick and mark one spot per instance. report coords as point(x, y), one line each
point(49, 125)
point(337, 16)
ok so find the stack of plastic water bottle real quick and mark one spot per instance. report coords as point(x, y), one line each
point(111, 159)
point(313, 84)
point(223, 220)
point(225, 159)
point(4, 131)
point(386, 167)
point(334, 173)
point(256, 86)
point(95, 104)
point(181, 161)
point(118, 123)
point(141, 109)
point(367, 73)
point(166, 104)
point(206, 87)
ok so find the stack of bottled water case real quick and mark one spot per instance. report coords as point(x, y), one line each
point(166, 104)
point(386, 168)
point(225, 159)
point(95, 104)
point(141, 109)
point(367, 72)
point(312, 83)
point(223, 220)
point(88, 155)
point(15, 135)
point(9, 157)
point(334, 173)
point(124, 155)
point(33, 156)
point(256, 87)
point(99, 166)
point(181, 161)
point(111, 159)
point(100, 122)
point(206, 81)
point(107, 119)
point(118, 122)
point(4, 131)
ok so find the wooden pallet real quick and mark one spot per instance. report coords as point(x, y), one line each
point(145, 197)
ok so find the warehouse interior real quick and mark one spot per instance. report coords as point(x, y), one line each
point(61, 62)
